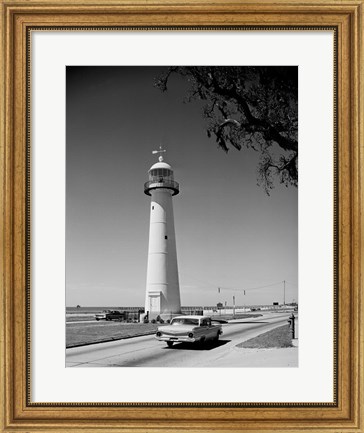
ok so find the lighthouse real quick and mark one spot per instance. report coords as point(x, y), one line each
point(162, 288)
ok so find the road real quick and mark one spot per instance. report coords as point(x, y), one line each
point(146, 351)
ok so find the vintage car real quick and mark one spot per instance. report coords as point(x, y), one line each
point(189, 329)
point(109, 315)
point(101, 316)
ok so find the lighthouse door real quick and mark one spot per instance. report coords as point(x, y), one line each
point(155, 302)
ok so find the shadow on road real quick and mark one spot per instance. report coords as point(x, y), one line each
point(191, 346)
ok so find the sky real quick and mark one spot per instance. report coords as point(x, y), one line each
point(229, 232)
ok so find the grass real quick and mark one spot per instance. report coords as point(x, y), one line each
point(80, 318)
point(237, 316)
point(276, 338)
point(82, 334)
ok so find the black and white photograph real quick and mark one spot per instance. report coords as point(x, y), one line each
point(182, 216)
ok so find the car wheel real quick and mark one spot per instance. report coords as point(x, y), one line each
point(169, 343)
point(217, 336)
point(97, 319)
point(202, 341)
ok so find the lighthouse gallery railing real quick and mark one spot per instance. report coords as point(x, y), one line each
point(152, 184)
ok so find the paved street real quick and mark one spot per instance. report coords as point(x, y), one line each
point(146, 351)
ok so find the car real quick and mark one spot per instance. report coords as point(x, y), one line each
point(189, 329)
point(109, 315)
point(101, 316)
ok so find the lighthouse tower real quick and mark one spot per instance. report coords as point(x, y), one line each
point(162, 291)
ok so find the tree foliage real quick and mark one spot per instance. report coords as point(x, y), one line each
point(249, 107)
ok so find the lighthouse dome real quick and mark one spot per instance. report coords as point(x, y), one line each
point(161, 165)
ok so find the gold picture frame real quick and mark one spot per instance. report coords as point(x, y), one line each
point(18, 413)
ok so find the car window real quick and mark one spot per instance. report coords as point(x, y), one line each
point(185, 321)
point(191, 322)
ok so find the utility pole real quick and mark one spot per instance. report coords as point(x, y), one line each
point(284, 292)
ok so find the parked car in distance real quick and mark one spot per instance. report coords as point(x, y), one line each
point(101, 316)
point(109, 315)
point(189, 329)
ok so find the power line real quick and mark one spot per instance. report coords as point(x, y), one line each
point(251, 288)
point(209, 283)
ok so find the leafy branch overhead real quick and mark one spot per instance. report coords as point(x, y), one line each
point(249, 107)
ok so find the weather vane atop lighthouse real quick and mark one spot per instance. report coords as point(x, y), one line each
point(161, 150)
